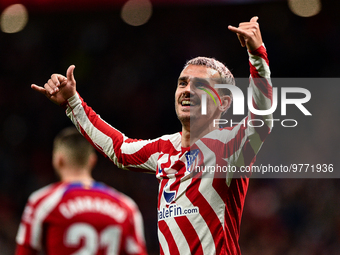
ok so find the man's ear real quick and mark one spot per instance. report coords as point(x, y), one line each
point(58, 161)
point(93, 160)
point(226, 103)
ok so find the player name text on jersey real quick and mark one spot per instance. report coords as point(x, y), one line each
point(89, 204)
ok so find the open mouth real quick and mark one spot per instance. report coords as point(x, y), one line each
point(187, 103)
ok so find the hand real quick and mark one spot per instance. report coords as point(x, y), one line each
point(249, 34)
point(59, 88)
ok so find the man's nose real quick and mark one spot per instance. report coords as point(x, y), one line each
point(189, 89)
point(192, 85)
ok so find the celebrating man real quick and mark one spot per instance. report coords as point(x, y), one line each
point(198, 213)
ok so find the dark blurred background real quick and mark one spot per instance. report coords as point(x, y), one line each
point(126, 69)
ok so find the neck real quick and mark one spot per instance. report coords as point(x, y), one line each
point(78, 175)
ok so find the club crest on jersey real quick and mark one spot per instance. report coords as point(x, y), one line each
point(168, 195)
point(192, 159)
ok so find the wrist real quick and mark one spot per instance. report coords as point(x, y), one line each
point(258, 51)
point(64, 105)
point(68, 102)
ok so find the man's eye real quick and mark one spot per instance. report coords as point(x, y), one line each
point(182, 84)
point(201, 84)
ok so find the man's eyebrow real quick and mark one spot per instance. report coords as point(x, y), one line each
point(201, 80)
point(183, 78)
point(196, 79)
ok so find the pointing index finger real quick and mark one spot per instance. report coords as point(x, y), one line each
point(38, 88)
point(236, 30)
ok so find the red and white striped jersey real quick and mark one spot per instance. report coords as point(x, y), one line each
point(195, 215)
point(71, 218)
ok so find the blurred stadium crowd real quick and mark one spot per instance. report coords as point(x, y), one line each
point(128, 75)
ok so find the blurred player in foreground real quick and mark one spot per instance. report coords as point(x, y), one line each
point(79, 215)
point(198, 214)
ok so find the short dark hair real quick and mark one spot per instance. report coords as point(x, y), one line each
point(225, 74)
point(77, 148)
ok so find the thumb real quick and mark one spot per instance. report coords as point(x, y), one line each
point(254, 19)
point(69, 73)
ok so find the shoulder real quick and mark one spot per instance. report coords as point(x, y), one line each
point(153, 143)
point(42, 202)
point(173, 140)
point(44, 192)
point(174, 136)
point(168, 137)
point(163, 143)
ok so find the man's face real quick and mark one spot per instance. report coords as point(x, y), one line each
point(189, 92)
